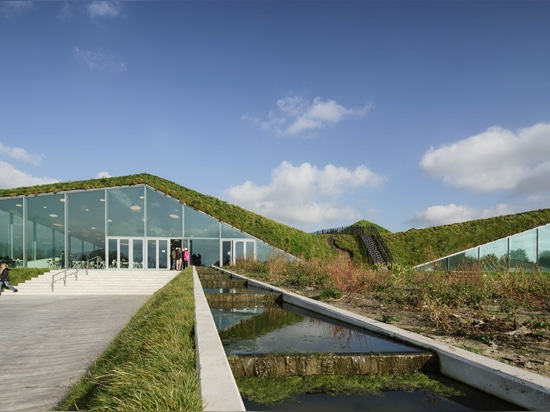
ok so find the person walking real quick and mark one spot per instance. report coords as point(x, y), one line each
point(5, 279)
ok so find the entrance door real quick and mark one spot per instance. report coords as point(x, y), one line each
point(158, 254)
point(125, 253)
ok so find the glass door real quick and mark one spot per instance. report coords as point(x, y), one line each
point(125, 253)
point(158, 253)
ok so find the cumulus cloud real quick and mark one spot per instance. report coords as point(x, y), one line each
point(303, 196)
point(17, 153)
point(103, 174)
point(296, 116)
point(14, 8)
point(104, 9)
point(12, 177)
point(453, 213)
point(495, 160)
point(98, 60)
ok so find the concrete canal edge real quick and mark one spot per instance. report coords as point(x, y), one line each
point(219, 391)
point(512, 384)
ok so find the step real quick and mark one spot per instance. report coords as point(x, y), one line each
point(97, 282)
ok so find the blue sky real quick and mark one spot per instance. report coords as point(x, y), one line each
point(316, 114)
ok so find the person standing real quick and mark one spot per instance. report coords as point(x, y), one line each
point(178, 258)
point(185, 258)
point(173, 259)
point(5, 279)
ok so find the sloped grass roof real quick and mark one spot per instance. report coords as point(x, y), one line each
point(409, 248)
point(417, 246)
point(291, 240)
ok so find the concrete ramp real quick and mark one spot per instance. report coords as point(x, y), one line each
point(50, 339)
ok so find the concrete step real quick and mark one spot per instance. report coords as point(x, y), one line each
point(96, 282)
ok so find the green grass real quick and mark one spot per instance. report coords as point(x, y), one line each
point(20, 275)
point(409, 248)
point(268, 391)
point(151, 365)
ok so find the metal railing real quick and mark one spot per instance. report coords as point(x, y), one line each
point(63, 275)
point(81, 266)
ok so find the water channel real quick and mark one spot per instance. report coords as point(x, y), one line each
point(285, 358)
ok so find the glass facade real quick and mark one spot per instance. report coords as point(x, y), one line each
point(124, 227)
point(527, 250)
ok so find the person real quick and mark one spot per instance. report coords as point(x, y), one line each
point(5, 279)
point(185, 257)
point(228, 259)
point(178, 258)
point(173, 259)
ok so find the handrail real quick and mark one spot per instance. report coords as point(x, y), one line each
point(66, 274)
point(382, 247)
point(87, 263)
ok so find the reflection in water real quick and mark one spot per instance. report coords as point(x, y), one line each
point(276, 330)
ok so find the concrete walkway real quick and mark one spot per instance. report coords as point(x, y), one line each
point(47, 342)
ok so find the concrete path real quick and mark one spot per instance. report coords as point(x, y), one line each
point(48, 342)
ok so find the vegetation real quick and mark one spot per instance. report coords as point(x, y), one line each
point(151, 365)
point(470, 302)
point(20, 275)
point(417, 246)
point(266, 391)
point(409, 248)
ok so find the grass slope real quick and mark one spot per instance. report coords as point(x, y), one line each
point(409, 248)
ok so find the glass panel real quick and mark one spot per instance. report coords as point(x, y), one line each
point(229, 232)
point(86, 222)
point(544, 248)
point(164, 215)
point(113, 253)
point(137, 252)
point(493, 256)
point(151, 254)
point(77, 252)
point(163, 254)
point(523, 249)
point(198, 224)
point(249, 250)
point(125, 211)
point(464, 261)
point(239, 250)
point(124, 253)
point(226, 252)
point(11, 231)
point(45, 217)
point(208, 249)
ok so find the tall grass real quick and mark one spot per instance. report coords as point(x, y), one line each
point(448, 299)
point(151, 365)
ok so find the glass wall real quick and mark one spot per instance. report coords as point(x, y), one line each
point(527, 250)
point(11, 231)
point(130, 227)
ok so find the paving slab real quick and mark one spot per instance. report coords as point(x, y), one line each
point(49, 342)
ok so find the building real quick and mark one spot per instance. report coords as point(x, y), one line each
point(528, 250)
point(103, 223)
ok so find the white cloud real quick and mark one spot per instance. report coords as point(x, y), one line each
point(99, 61)
point(103, 174)
point(12, 177)
point(497, 159)
point(20, 154)
point(109, 9)
point(14, 8)
point(298, 116)
point(304, 196)
point(452, 213)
